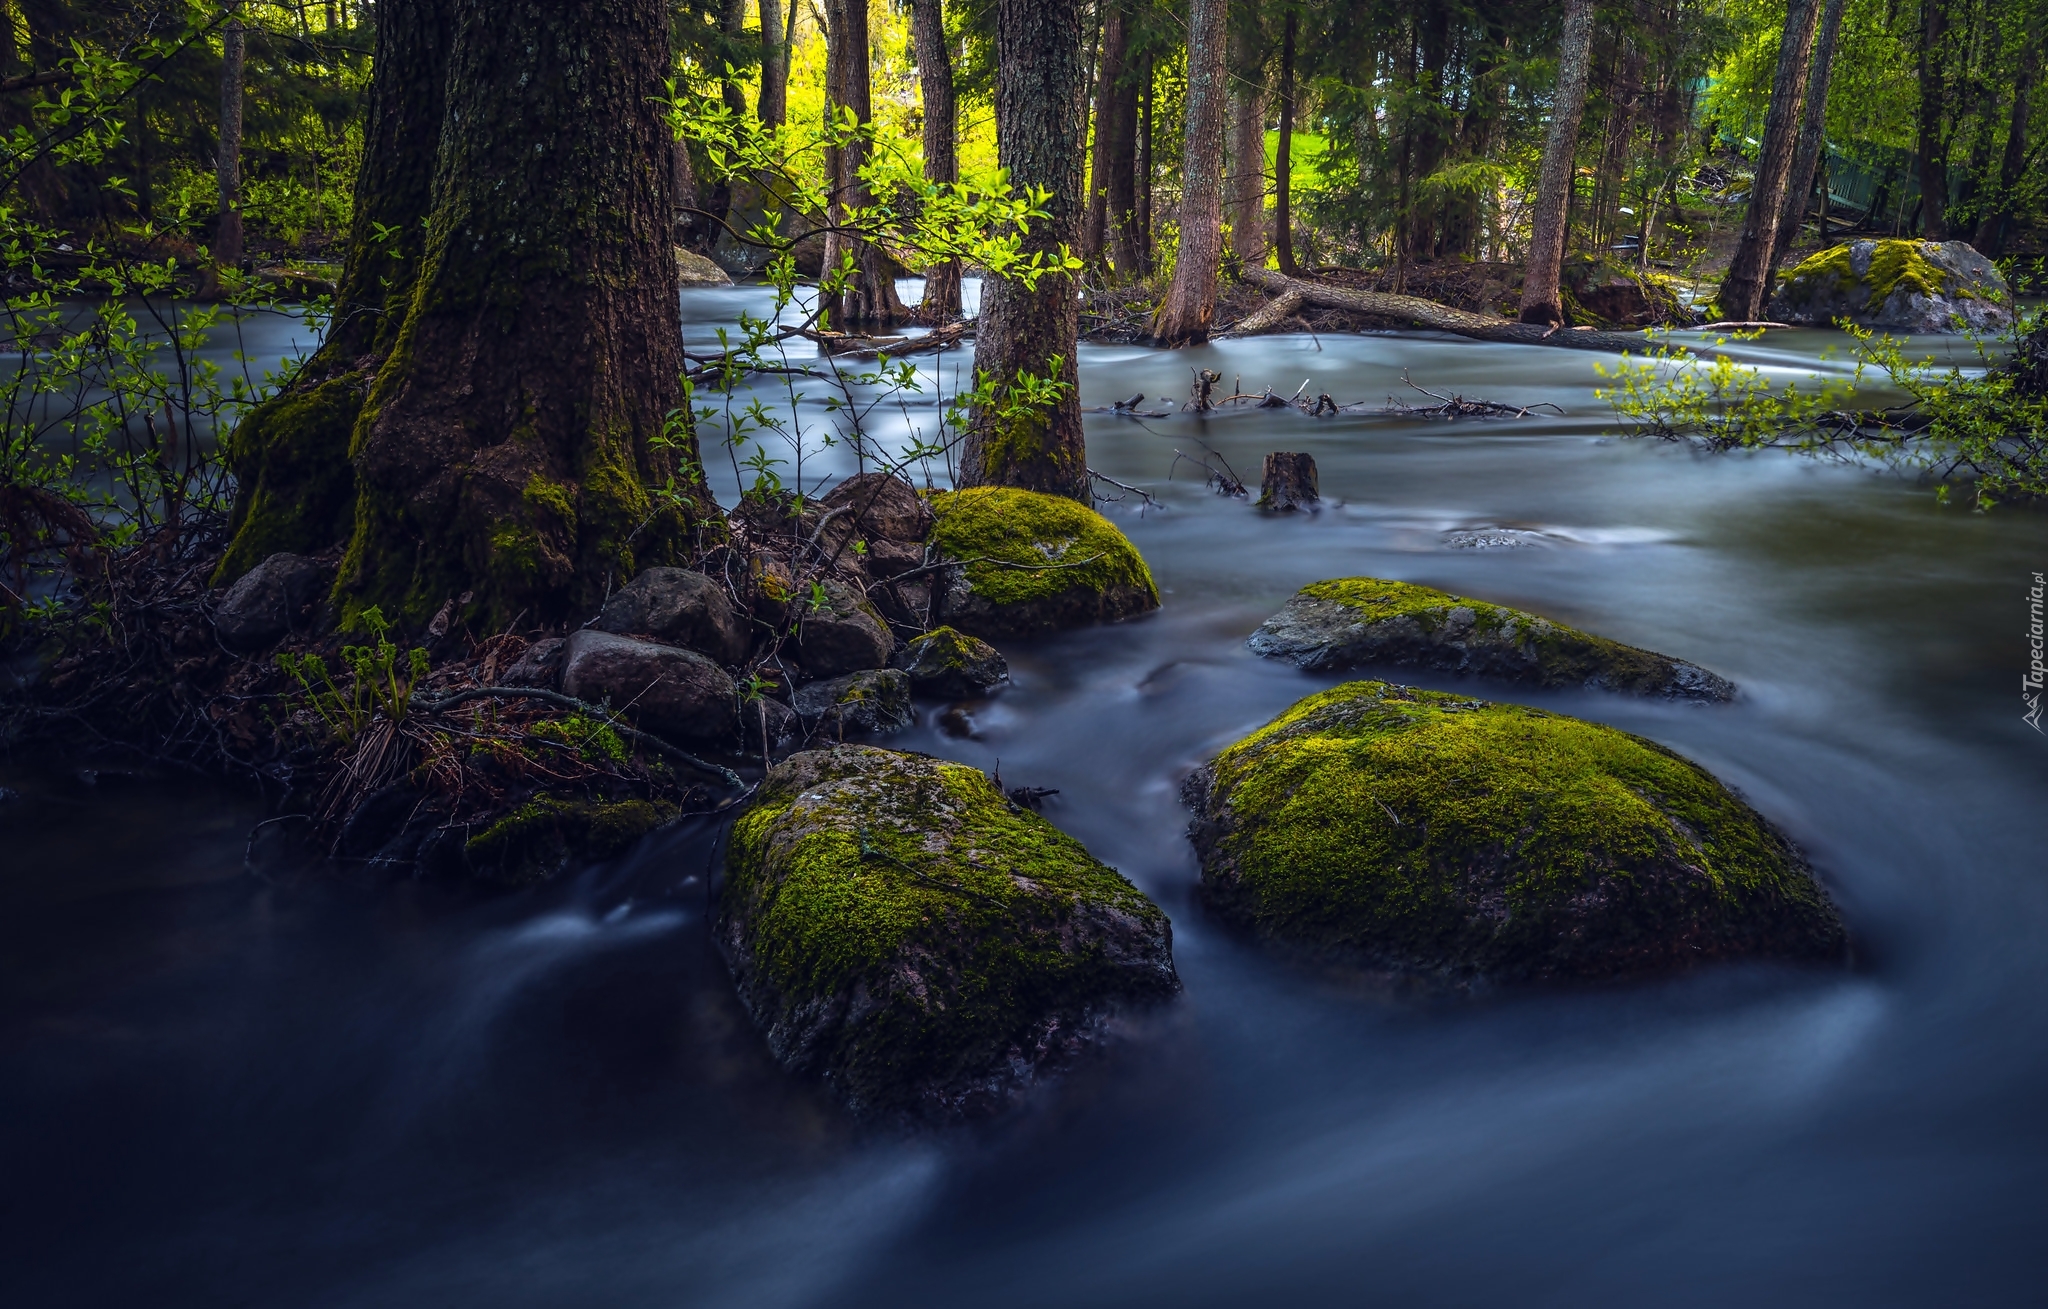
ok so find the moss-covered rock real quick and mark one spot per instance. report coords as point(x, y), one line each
point(896, 926)
point(1029, 563)
point(1428, 833)
point(1350, 621)
point(542, 837)
point(877, 700)
point(1902, 286)
point(950, 663)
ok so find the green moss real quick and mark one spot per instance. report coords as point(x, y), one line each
point(290, 459)
point(1894, 266)
point(855, 864)
point(1429, 830)
point(596, 742)
point(538, 839)
point(1022, 546)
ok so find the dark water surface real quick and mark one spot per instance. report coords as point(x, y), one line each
point(301, 1087)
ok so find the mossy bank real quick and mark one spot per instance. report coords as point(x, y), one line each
point(1353, 621)
point(1428, 833)
point(897, 926)
point(1027, 563)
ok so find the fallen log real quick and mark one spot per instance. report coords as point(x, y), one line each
point(1414, 311)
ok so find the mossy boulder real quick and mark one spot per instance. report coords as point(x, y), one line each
point(1350, 621)
point(544, 836)
point(1900, 286)
point(1028, 563)
point(838, 631)
point(949, 663)
point(877, 700)
point(898, 927)
point(1432, 834)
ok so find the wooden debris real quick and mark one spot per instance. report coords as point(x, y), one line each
point(1288, 482)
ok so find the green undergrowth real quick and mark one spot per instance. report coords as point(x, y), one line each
point(1021, 546)
point(1431, 829)
point(918, 884)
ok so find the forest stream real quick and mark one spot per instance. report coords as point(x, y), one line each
point(238, 1077)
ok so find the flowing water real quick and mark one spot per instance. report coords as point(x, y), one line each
point(231, 1082)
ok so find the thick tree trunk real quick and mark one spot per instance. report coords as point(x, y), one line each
point(1748, 280)
point(1554, 181)
point(295, 487)
point(1247, 177)
point(869, 298)
point(1933, 146)
point(1041, 138)
point(771, 105)
point(507, 448)
point(941, 303)
point(227, 240)
point(1990, 238)
point(1283, 158)
point(1190, 304)
point(1812, 138)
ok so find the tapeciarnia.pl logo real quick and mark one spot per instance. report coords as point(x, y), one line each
point(2030, 685)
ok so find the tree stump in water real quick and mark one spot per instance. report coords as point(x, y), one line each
point(1288, 482)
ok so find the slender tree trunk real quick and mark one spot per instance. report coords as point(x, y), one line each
point(1554, 181)
point(1146, 144)
point(1812, 138)
point(1041, 138)
point(869, 298)
point(1190, 303)
point(506, 449)
point(1933, 147)
point(1283, 157)
point(295, 489)
point(1247, 178)
point(771, 104)
point(1990, 238)
point(1112, 136)
point(227, 240)
point(941, 303)
point(1117, 125)
point(1748, 280)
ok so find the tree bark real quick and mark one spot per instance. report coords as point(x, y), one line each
point(1247, 178)
point(1283, 157)
point(1190, 304)
point(1990, 237)
point(1041, 138)
point(1933, 148)
point(295, 488)
point(227, 240)
point(1414, 311)
point(1554, 181)
point(1116, 131)
point(941, 302)
point(771, 104)
point(1748, 280)
point(869, 298)
point(506, 450)
point(1812, 138)
point(1146, 146)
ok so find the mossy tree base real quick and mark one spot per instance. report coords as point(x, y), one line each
point(897, 926)
point(1432, 834)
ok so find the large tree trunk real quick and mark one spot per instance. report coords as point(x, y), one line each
point(1247, 178)
point(1041, 138)
point(771, 105)
point(295, 488)
point(1933, 146)
point(1283, 157)
point(1190, 303)
point(227, 240)
point(1747, 281)
point(869, 298)
point(1990, 239)
point(1812, 139)
point(506, 450)
point(941, 303)
point(1554, 181)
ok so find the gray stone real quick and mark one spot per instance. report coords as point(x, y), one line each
point(842, 635)
point(877, 700)
point(678, 607)
point(261, 608)
point(1899, 286)
point(539, 666)
point(883, 507)
point(677, 694)
point(693, 269)
point(950, 663)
